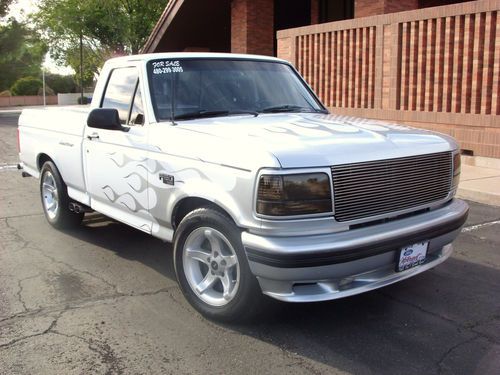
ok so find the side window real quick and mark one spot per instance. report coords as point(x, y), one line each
point(137, 113)
point(119, 91)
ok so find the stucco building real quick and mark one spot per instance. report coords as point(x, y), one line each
point(429, 63)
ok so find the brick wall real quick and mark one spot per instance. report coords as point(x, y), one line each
point(11, 101)
point(365, 8)
point(285, 48)
point(434, 68)
point(252, 26)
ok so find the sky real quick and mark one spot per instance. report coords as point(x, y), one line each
point(20, 9)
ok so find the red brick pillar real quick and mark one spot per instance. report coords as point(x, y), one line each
point(392, 6)
point(364, 8)
point(252, 26)
point(314, 12)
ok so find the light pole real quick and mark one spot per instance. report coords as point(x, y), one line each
point(43, 85)
point(81, 68)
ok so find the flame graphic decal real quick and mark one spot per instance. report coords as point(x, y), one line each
point(136, 182)
point(152, 166)
point(125, 199)
point(122, 160)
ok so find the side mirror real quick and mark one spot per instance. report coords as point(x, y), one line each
point(104, 118)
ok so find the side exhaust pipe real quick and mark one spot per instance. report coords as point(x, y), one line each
point(24, 174)
point(78, 208)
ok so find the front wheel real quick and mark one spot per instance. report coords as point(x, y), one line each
point(55, 199)
point(212, 268)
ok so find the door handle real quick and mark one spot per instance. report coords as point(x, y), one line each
point(93, 136)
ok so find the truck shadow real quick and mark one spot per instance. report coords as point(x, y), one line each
point(443, 321)
point(126, 242)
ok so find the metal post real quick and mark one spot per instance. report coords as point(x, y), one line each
point(81, 68)
point(43, 81)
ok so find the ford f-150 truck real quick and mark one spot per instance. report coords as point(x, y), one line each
point(235, 160)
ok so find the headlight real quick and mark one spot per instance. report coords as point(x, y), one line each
point(456, 170)
point(294, 194)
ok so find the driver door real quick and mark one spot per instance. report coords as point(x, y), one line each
point(115, 160)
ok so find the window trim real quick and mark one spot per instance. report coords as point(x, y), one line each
point(132, 101)
point(103, 97)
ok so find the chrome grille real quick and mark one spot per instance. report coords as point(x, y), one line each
point(379, 187)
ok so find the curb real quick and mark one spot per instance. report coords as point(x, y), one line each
point(481, 161)
point(479, 196)
point(12, 113)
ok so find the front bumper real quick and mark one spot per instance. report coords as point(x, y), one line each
point(330, 266)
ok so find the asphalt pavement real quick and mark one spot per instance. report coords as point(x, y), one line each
point(103, 299)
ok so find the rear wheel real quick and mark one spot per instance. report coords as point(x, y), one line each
point(212, 268)
point(55, 200)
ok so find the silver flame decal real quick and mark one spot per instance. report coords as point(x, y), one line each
point(125, 199)
point(136, 182)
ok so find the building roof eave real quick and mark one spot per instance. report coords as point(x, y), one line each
point(161, 26)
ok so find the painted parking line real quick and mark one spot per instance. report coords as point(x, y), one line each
point(479, 226)
point(7, 167)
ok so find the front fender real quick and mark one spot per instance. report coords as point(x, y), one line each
point(209, 192)
point(230, 190)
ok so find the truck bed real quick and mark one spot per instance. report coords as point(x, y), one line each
point(68, 120)
point(60, 130)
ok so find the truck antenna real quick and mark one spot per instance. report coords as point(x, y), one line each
point(172, 97)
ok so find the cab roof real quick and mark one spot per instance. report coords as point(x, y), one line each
point(191, 55)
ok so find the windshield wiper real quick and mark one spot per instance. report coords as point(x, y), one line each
point(204, 113)
point(289, 108)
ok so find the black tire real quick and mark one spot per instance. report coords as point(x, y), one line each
point(247, 301)
point(62, 217)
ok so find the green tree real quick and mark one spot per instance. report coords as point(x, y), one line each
point(61, 84)
point(4, 7)
point(21, 53)
point(106, 28)
point(140, 20)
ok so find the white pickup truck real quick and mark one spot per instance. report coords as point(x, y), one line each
point(261, 190)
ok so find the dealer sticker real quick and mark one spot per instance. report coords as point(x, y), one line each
point(167, 67)
point(412, 256)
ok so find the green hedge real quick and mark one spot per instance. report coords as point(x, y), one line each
point(26, 86)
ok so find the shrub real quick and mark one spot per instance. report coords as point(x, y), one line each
point(48, 90)
point(26, 86)
point(5, 93)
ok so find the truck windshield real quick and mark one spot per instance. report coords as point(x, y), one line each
point(184, 89)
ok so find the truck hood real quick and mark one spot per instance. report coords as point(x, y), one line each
point(302, 140)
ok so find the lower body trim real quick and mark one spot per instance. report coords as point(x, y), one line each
point(325, 290)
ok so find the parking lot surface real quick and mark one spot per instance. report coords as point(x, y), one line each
point(103, 300)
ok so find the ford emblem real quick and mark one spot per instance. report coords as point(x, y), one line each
point(408, 252)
